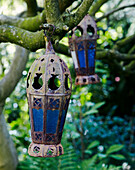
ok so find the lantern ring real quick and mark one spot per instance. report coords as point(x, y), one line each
point(47, 27)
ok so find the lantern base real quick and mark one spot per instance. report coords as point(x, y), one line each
point(83, 80)
point(42, 150)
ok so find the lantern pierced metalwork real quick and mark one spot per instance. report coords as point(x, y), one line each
point(82, 43)
point(48, 91)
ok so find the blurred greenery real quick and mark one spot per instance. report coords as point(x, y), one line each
point(99, 131)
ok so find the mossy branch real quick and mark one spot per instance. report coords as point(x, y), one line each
point(29, 40)
point(52, 11)
point(69, 21)
point(63, 4)
point(113, 54)
point(31, 7)
point(96, 6)
point(83, 8)
point(125, 44)
point(132, 50)
point(34, 41)
point(130, 67)
point(30, 23)
point(10, 80)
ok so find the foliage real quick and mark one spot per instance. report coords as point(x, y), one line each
point(103, 150)
point(99, 129)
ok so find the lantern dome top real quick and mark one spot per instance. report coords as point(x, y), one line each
point(49, 75)
point(86, 29)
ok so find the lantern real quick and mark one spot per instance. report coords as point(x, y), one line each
point(48, 92)
point(82, 42)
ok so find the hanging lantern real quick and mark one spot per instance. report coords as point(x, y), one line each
point(82, 42)
point(48, 90)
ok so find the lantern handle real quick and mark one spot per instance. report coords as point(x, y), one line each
point(47, 27)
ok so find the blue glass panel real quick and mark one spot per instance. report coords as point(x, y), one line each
point(91, 45)
point(91, 57)
point(38, 119)
point(81, 57)
point(52, 119)
point(62, 120)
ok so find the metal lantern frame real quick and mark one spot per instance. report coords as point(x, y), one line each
point(83, 51)
point(48, 103)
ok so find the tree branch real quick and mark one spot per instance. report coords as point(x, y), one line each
point(32, 7)
point(8, 156)
point(83, 9)
point(29, 40)
point(112, 54)
point(52, 11)
point(33, 41)
point(130, 67)
point(15, 73)
point(63, 4)
point(30, 24)
point(62, 49)
point(96, 6)
point(10, 80)
point(113, 11)
point(125, 44)
point(132, 50)
point(100, 54)
point(69, 21)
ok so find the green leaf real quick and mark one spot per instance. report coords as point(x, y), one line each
point(118, 156)
point(93, 144)
point(112, 167)
point(100, 155)
point(75, 135)
point(100, 70)
point(90, 112)
point(88, 104)
point(98, 105)
point(70, 127)
point(88, 152)
point(83, 99)
point(114, 148)
point(87, 163)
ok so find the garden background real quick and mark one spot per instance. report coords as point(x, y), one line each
point(100, 125)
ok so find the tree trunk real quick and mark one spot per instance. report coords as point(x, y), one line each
point(8, 156)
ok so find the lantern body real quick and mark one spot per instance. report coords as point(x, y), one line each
point(48, 96)
point(83, 51)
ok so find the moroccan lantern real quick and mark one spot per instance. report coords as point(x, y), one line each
point(48, 91)
point(82, 42)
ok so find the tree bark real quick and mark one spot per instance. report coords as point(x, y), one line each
point(8, 155)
